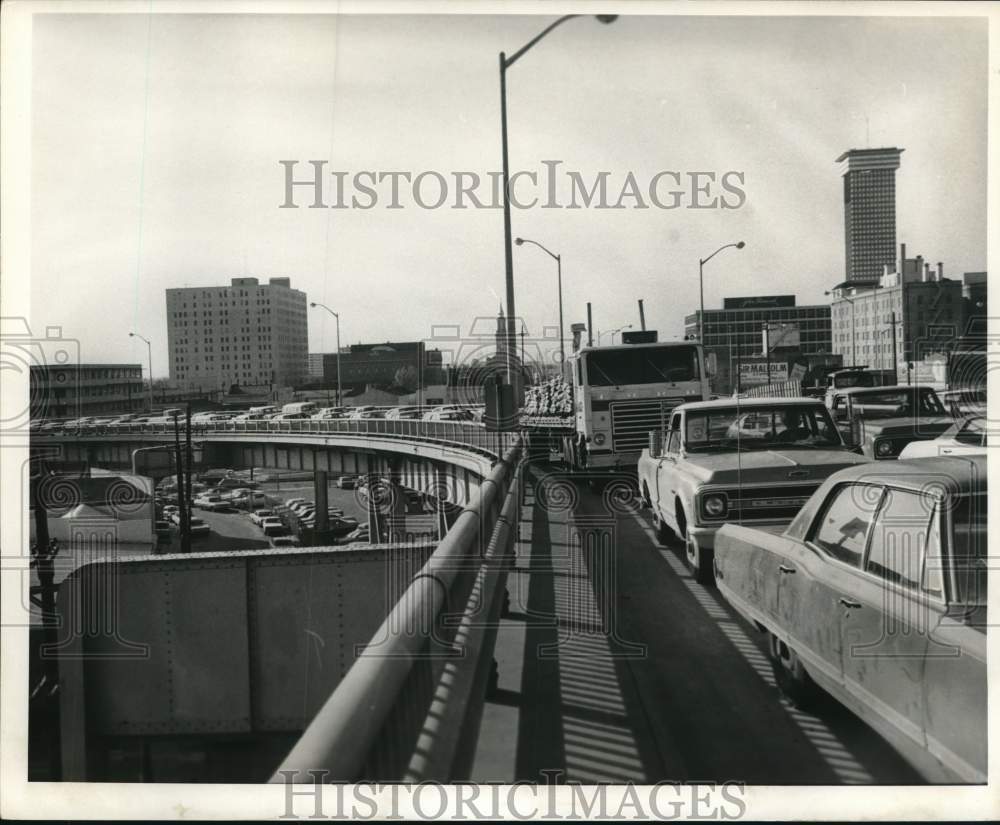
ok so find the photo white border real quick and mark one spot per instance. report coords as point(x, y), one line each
point(20, 799)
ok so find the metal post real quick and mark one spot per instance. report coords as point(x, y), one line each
point(507, 250)
point(149, 353)
point(340, 397)
point(181, 497)
point(188, 460)
point(642, 317)
point(590, 326)
point(701, 301)
point(895, 354)
point(562, 338)
point(767, 351)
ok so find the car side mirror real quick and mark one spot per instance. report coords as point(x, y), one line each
point(655, 443)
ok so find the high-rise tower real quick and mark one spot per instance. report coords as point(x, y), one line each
point(869, 211)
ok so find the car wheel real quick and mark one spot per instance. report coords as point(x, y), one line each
point(793, 681)
point(698, 560)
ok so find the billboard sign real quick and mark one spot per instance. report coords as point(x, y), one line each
point(754, 373)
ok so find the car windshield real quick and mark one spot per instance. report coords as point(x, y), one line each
point(740, 428)
point(896, 403)
point(642, 365)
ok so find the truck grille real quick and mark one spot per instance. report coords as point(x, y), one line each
point(766, 503)
point(631, 421)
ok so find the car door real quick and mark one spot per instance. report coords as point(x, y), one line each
point(969, 440)
point(666, 471)
point(815, 576)
point(888, 617)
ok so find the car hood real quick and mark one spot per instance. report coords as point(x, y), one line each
point(905, 426)
point(778, 465)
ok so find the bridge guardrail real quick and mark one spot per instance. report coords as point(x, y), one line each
point(461, 433)
point(409, 707)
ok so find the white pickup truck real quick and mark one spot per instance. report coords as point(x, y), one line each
point(754, 461)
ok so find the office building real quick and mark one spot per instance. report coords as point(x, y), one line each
point(903, 317)
point(380, 364)
point(869, 211)
point(245, 334)
point(74, 390)
point(737, 327)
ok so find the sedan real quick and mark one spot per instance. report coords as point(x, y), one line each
point(198, 527)
point(876, 593)
point(273, 526)
point(259, 516)
point(965, 437)
point(347, 482)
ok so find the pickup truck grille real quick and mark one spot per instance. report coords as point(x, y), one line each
point(631, 421)
point(765, 503)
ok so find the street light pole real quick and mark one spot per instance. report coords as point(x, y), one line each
point(336, 315)
point(506, 63)
point(149, 353)
point(701, 286)
point(558, 260)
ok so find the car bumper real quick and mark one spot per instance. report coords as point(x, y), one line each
point(704, 537)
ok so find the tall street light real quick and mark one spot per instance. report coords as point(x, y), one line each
point(506, 63)
point(149, 352)
point(336, 315)
point(701, 286)
point(558, 259)
point(612, 332)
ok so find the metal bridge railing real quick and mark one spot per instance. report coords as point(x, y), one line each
point(409, 707)
point(460, 433)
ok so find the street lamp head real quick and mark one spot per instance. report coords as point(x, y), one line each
point(131, 335)
point(312, 304)
point(740, 245)
point(519, 241)
point(606, 18)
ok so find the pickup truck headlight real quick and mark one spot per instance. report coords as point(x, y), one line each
point(884, 449)
point(599, 438)
point(714, 505)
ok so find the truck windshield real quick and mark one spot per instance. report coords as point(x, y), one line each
point(739, 428)
point(895, 403)
point(642, 365)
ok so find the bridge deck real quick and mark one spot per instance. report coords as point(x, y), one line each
point(615, 665)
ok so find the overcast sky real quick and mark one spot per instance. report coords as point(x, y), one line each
point(156, 146)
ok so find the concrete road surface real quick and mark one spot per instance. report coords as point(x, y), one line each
point(614, 665)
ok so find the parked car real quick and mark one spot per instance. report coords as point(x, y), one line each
point(715, 464)
point(880, 421)
point(291, 502)
point(285, 541)
point(198, 527)
point(967, 436)
point(361, 534)
point(259, 516)
point(347, 482)
point(273, 526)
point(876, 592)
point(212, 502)
point(162, 529)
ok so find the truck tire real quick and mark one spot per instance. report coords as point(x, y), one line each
point(698, 561)
point(793, 681)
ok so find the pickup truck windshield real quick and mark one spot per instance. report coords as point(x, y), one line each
point(760, 428)
point(642, 365)
point(898, 403)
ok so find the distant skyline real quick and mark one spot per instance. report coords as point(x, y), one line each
point(157, 141)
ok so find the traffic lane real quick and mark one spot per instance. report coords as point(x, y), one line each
point(229, 531)
point(705, 683)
